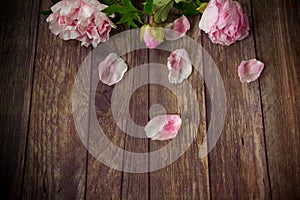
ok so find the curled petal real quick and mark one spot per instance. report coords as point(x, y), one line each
point(112, 69)
point(209, 17)
point(177, 29)
point(179, 66)
point(250, 70)
point(152, 36)
point(81, 20)
point(163, 127)
point(224, 21)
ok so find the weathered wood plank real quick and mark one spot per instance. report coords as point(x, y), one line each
point(18, 32)
point(56, 158)
point(135, 185)
point(237, 164)
point(187, 177)
point(103, 181)
point(278, 46)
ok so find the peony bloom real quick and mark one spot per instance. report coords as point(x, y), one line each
point(250, 70)
point(112, 69)
point(179, 66)
point(224, 22)
point(152, 36)
point(81, 20)
point(177, 29)
point(163, 127)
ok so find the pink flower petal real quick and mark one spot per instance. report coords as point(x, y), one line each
point(177, 29)
point(224, 21)
point(152, 36)
point(250, 70)
point(81, 20)
point(149, 40)
point(209, 17)
point(163, 127)
point(112, 69)
point(179, 66)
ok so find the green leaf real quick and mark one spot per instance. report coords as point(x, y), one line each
point(127, 4)
point(114, 9)
point(161, 12)
point(202, 7)
point(129, 15)
point(46, 12)
point(55, 1)
point(130, 21)
point(148, 7)
point(107, 2)
point(160, 3)
point(158, 33)
point(188, 8)
point(143, 29)
point(198, 3)
point(177, 1)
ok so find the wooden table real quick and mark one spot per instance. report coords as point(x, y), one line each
point(256, 157)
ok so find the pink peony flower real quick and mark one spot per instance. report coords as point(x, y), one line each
point(163, 127)
point(177, 29)
point(179, 65)
point(81, 20)
point(152, 36)
point(112, 69)
point(250, 70)
point(224, 22)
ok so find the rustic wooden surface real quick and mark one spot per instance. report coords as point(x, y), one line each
point(256, 157)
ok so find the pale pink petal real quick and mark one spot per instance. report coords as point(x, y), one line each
point(245, 28)
point(250, 70)
point(57, 6)
point(177, 29)
point(163, 127)
point(150, 41)
point(209, 17)
point(68, 35)
point(97, 5)
point(81, 20)
point(179, 65)
point(112, 69)
point(69, 7)
point(85, 11)
point(225, 22)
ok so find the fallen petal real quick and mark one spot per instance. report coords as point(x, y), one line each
point(250, 70)
point(163, 127)
point(112, 69)
point(177, 29)
point(152, 36)
point(179, 66)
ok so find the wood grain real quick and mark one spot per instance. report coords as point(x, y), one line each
point(187, 177)
point(135, 185)
point(237, 164)
point(104, 182)
point(18, 31)
point(56, 158)
point(256, 157)
point(278, 46)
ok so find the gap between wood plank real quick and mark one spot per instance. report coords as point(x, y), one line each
point(261, 103)
point(31, 96)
